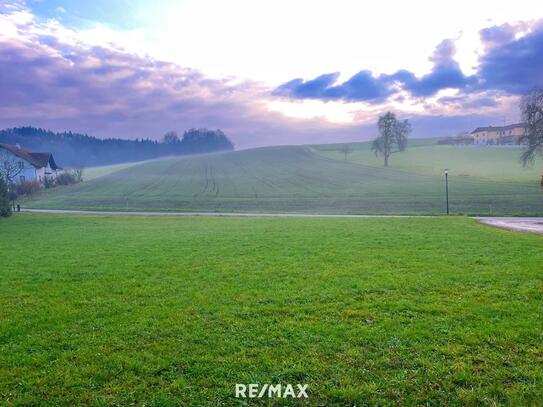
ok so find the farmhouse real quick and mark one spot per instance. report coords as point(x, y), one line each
point(29, 165)
point(495, 135)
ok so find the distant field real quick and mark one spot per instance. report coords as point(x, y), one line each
point(147, 311)
point(314, 179)
point(500, 164)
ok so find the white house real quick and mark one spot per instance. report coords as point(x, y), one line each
point(32, 166)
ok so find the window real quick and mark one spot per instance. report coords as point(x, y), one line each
point(21, 164)
point(22, 178)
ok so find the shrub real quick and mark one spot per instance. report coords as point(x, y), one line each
point(66, 178)
point(5, 206)
point(27, 188)
point(48, 182)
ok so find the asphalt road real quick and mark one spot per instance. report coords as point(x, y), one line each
point(534, 225)
point(218, 214)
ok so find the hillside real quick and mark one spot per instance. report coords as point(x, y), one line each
point(310, 179)
point(486, 163)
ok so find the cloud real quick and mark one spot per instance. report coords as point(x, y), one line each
point(497, 35)
point(469, 101)
point(364, 86)
point(445, 74)
point(512, 65)
point(361, 86)
point(50, 79)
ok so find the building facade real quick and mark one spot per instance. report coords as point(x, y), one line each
point(30, 166)
point(496, 135)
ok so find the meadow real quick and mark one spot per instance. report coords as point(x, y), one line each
point(104, 310)
point(483, 181)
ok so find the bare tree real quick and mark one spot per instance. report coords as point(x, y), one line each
point(392, 136)
point(10, 166)
point(78, 174)
point(531, 107)
point(170, 137)
point(346, 150)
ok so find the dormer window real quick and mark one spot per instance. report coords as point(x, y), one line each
point(21, 165)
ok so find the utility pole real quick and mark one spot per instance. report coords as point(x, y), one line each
point(447, 190)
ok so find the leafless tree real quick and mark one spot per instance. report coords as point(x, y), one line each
point(170, 137)
point(346, 149)
point(531, 107)
point(78, 174)
point(10, 166)
point(392, 136)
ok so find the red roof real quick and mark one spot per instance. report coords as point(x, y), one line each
point(38, 160)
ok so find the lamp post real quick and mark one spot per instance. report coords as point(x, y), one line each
point(447, 190)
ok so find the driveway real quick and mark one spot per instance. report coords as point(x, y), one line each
point(534, 225)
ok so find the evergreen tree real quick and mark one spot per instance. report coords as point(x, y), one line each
point(5, 205)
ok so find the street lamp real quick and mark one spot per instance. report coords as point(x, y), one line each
point(447, 189)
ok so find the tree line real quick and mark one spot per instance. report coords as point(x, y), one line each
point(81, 150)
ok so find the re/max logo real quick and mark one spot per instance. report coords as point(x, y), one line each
point(255, 390)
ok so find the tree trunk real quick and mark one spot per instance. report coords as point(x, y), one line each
point(386, 160)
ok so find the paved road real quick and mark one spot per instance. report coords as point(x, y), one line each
point(533, 224)
point(242, 214)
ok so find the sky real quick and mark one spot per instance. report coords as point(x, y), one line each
point(266, 72)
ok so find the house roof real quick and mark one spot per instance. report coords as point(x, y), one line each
point(498, 128)
point(38, 160)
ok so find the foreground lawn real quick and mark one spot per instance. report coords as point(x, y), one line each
point(121, 310)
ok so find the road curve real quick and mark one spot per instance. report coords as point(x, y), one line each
point(532, 224)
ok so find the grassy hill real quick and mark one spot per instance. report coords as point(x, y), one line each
point(500, 164)
point(314, 179)
point(105, 310)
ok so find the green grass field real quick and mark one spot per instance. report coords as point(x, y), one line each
point(500, 164)
point(176, 311)
point(483, 181)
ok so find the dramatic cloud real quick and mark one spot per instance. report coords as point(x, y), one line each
point(360, 87)
point(497, 35)
point(54, 77)
point(364, 86)
point(516, 65)
point(446, 73)
point(49, 79)
point(511, 65)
